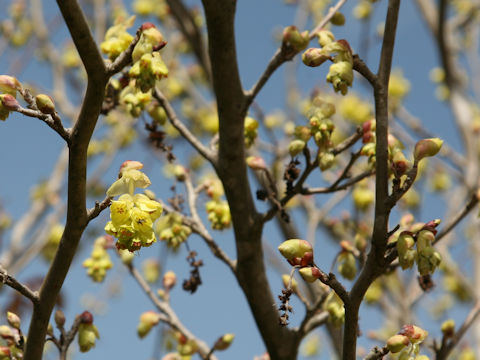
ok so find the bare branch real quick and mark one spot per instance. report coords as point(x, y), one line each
point(182, 129)
point(199, 228)
point(21, 288)
point(170, 317)
point(99, 207)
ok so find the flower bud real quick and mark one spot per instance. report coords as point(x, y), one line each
point(406, 255)
point(59, 318)
point(448, 328)
point(86, 317)
point(130, 164)
point(9, 102)
point(5, 353)
point(169, 280)
point(9, 85)
point(325, 160)
point(325, 37)
point(347, 265)
point(297, 252)
point(147, 320)
point(340, 76)
point(293, 284)
point(338, 19)
point(310, 274)
point(427, 147)
point(87, 336)
point(425, 239)
point(6, 332)
point(400, 164)
point(180, 172)
point(13, 320)
point(151, 270)
point(224, 342)
point(314, 57)
point(256, 163)
point(45, 104)
point(397, 342)
point(293, 37)
point(414, 333)
point(296, 147)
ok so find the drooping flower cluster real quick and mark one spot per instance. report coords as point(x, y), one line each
point(13, 339)
point(407, 342)
point(99, 261)
point(132, 215)
point(340, 74)
point(87, 332)
point(426, 257)
point(170, 228)
point(217, 209)
point(250, 131)
point(320, 128)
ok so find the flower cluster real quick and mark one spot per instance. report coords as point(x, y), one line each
point(8, 92)
point(13, 339)
point(250, 131)
point(170, 228)
point(426, 257)
point(340, 74)
point(87, 332)
point(132, 215)
point(320, 128)
point(407, 342)
point(117, 38)
point(51, 245)
point(99, 261)
point(218, 214)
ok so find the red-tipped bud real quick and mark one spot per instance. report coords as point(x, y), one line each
point(146, 26)
point(310, 274)
point(9, 85)
point(131, 164)
point(86, 317)
point(9, 102)
point(414, 333)
point(224, 342)
point(297, 252)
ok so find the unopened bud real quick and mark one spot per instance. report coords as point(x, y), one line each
point(293, 282)
point(310, 274)
point(256, 163)
point(9, 85)
point(296, 147)
point(414, 333)
point(59, 318)
point(325, 37)
point(13, 320)
point(45, 104)
point(297, 252)
point(448, 328)
point(338, 19)
point(396, 343)
point(427, 147)
point(169, 280)
point(314, 57)
point(147, 321)
point(86, 317)
point(293, 37)
point(9, 102)
point(224, 342)
point(180, 172)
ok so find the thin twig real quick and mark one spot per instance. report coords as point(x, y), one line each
point(180, 126)
point(21, 288)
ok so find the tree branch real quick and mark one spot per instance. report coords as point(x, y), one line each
point(182, 129)
point(81, 134)
point(16, 285)
point(170, 317)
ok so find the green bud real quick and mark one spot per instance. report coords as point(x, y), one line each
point(325, 37)
point(294, 38)
point(347, 265)
point(314, 57)
point(448, 328)
point(13, 320)
point(45, 104)
point(426, 148)
point(338, 19)
point(297, 251)
point(396, 343)
point(293, 284)
point(310, 274)
point(325, 160)
point(147, 321)
point(340, 76)
point(296, 147)
point(224, 342)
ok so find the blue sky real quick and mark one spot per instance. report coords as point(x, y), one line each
point(29, 150)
